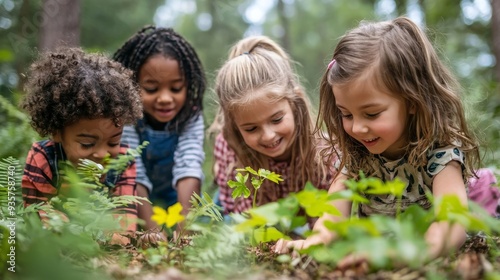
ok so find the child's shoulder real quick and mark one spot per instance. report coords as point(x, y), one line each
point(452, 151)
point(441, 156)
point(46, 147)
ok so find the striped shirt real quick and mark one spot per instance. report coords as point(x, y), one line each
point(188, 155)
point(39, 184)
point(225, 159)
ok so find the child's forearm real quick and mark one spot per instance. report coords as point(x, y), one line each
point(443, 238)
point(185, 189)
point(323, 234)
point(145, 211)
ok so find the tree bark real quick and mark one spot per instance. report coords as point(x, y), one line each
point(495, 31)
point(60, 24)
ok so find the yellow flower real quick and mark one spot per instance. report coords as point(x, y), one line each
point(170, 217)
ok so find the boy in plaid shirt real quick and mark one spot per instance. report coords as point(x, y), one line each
point(81, 101)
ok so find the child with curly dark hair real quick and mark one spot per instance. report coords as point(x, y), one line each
point(172, 84)
point(82, 102)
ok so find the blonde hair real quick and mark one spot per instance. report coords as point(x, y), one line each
point(404, 62)
point(258, 64)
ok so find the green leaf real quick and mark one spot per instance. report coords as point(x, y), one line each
point(271, 176)
point(316, 202)
point(251, 223)
point(267, 234)
point(240, 188)
point(251, 170)
point(256, 183)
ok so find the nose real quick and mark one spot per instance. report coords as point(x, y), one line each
point(359, 126)
point(100, 153)
point(267, 134)
point(165, 97)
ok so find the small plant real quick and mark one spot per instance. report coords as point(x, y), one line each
point(258, 177)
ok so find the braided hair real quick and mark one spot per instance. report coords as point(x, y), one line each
point(152, 40)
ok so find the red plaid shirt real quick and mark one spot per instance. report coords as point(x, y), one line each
point(37, 182)
point(225, 158)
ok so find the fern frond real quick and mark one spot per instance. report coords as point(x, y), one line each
point(120, 163)
point(204, 206)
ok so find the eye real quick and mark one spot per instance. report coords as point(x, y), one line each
point(250, 129)
point(372, 115)
point(176, 90)
point(150, 90)
point(87, 146)
point(113, 144)
point(346, 116)
point(277, 120)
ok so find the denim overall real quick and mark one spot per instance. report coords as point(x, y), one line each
point(158, 159)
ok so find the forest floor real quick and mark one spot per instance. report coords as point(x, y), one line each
point(475, 260)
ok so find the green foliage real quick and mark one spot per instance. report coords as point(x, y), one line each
point(204, 207)
point(16, 134)
point(258, 177)
point(219, 251)
point(387, 242)
point(316, 202)
point(374, 186)
point(73, 227)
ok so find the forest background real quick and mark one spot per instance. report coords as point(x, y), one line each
point(467, 33)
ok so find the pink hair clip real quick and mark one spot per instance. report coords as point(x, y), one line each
point(330, 65)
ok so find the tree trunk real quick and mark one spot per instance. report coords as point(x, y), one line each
point(285, 24)
point(60, 24)
point(495, 31)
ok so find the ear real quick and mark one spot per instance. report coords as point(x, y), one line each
point(57, 137)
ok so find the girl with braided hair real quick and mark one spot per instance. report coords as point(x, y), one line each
point(172, 83)
point(265, 121)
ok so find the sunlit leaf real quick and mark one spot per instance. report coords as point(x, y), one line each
point(266, 234)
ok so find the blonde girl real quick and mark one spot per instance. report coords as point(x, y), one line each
point(266, 122)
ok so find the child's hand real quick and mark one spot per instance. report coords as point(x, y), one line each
point(284, 246)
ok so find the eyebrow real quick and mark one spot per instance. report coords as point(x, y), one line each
point(362, 107)
point(273, 115)
point(94, 136)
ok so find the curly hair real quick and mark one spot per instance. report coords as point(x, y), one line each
point(152, 40)
point(69, 85)
point(403, 61)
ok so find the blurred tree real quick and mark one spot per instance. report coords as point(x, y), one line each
point(60, 24)
point(312, 33)
point(106, 25)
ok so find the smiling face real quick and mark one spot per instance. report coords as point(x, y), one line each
point(90, 139)
point(267, 127)
point(163, 89)
point(373, 117)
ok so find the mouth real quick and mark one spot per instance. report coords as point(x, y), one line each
point(273, 145)
point(371, 140)
point(164, 110)
point(164, 113)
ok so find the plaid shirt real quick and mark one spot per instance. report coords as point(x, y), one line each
point(38, 182)
point(225, 158)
